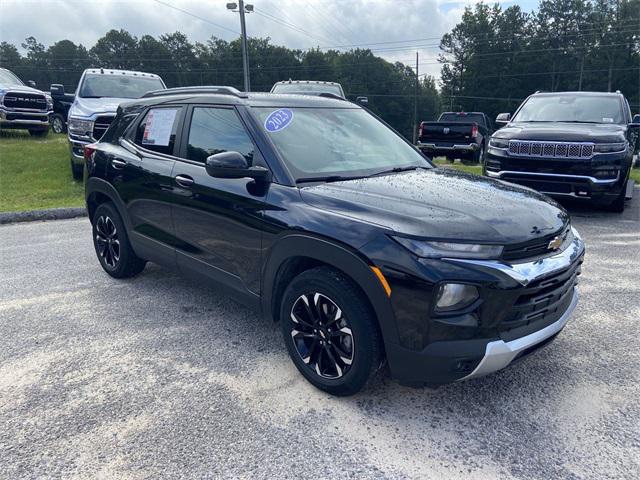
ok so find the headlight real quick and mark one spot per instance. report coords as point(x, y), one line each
point(455, 296)
point(80, 126)
point(610, 147)
point(498, 143)
point(426, 249)
point(49, 101)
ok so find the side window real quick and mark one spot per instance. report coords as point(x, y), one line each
point(216, 130)
point(157, 130)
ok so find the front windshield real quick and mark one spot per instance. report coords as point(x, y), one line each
point(571, 108)
point(9, 78)
point(306, 88)
point(118, 86)
point(321, 142)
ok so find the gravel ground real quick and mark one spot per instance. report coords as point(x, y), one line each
point(158, 377)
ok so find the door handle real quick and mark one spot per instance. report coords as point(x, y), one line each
point(118, 164)
point(184, 180)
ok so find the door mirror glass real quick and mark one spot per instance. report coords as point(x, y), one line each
point(234, 165)
point(362, 100)
point(503, 118)
point(635, 122)
point(56, 89)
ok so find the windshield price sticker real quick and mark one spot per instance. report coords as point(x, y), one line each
point(278, 120)
point(159, 126)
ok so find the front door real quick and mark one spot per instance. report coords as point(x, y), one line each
point(218, 221)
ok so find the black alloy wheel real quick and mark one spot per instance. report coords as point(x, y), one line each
point(331, 331)
point(111, 243)
point(107, 242)
point(322, 335)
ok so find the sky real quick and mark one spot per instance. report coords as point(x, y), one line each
point(394, 30)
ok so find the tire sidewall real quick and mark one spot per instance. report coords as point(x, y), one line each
point(107, 209)
point(359, 316)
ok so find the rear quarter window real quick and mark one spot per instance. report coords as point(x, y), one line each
point(157, 130)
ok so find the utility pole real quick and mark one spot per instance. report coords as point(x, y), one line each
point(415, 105)
point(242, 8)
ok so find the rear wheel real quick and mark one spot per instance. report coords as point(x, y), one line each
point(112, 245)
point(330, 331)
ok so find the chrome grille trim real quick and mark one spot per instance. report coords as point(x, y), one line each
point(522, 148)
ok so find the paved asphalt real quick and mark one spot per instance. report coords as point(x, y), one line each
point(158, 377)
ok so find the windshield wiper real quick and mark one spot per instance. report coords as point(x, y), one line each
point(91, 96)
point(578, 121)
point(328, 178)
point(396, 170)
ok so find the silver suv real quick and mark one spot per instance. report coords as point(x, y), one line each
point(98, 95)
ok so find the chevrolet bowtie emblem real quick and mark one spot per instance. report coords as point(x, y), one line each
point(555, 244)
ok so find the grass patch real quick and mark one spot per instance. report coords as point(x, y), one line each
point(35, 173)
point(475, 169)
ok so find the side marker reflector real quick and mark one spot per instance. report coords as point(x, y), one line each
point(383, 280)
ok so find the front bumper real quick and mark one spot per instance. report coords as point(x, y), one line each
point(522, 307)
point(76, 148)
point(24, 119)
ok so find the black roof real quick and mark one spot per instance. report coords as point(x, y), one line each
point(230, 96)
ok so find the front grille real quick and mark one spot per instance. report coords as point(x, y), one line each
point(101, 125)
point(543, 302)
point(31, 101)
point(522, 148)
point(532, 248)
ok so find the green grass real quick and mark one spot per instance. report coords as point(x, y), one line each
point(476, 169)
point(35, 173)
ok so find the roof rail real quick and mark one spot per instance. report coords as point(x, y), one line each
point(215, 89)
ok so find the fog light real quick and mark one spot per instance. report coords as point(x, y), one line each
point(455, 296)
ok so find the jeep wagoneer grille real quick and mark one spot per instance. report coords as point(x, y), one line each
point(522, 148)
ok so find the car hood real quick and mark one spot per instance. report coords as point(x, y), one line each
point(86, 107)
point(563, 132)
point(443, 204)
point(19, 88)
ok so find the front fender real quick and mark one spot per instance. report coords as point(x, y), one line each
point(340, 257)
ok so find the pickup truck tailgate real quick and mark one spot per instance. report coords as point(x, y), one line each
point(445, 132)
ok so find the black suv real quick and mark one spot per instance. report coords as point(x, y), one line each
point(318, 214)
point(568, 144)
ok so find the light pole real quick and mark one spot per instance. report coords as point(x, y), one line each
point(242, 8)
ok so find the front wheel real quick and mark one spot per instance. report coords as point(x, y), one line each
point(111, 242)
point(617, 206)
point(57, 123)
point(330, 331)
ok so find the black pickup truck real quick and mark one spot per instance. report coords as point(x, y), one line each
point(460, 135)
point(62, 102)
point(568, 144)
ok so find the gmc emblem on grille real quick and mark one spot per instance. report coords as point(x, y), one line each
point(445, 130)
point(555, 243)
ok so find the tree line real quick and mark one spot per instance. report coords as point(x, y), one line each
point(507, 54)
point(390, 86)
point(491, 60)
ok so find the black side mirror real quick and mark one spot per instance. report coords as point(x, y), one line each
point(503, 118)
point(31, 83)
point(56, 89)
point(635, 121)
point(234, 165)
point(362, 100)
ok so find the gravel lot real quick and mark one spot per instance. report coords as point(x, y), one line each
point(158, 377)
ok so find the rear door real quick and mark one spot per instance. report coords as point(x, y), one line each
point(218, 221)
point(141, 173)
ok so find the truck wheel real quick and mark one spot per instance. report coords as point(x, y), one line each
point(39, 133)
point(618, 204)
point(111, 243)
point(330, 331)
point(478, 155)
point(57, 123)
point(76, 171)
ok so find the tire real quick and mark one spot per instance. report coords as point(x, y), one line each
point(337, 347)
point(476, 157)
point(76, 170)
point(57, 123)
point(111, 243)
point(39, 133)
point(617, 206)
